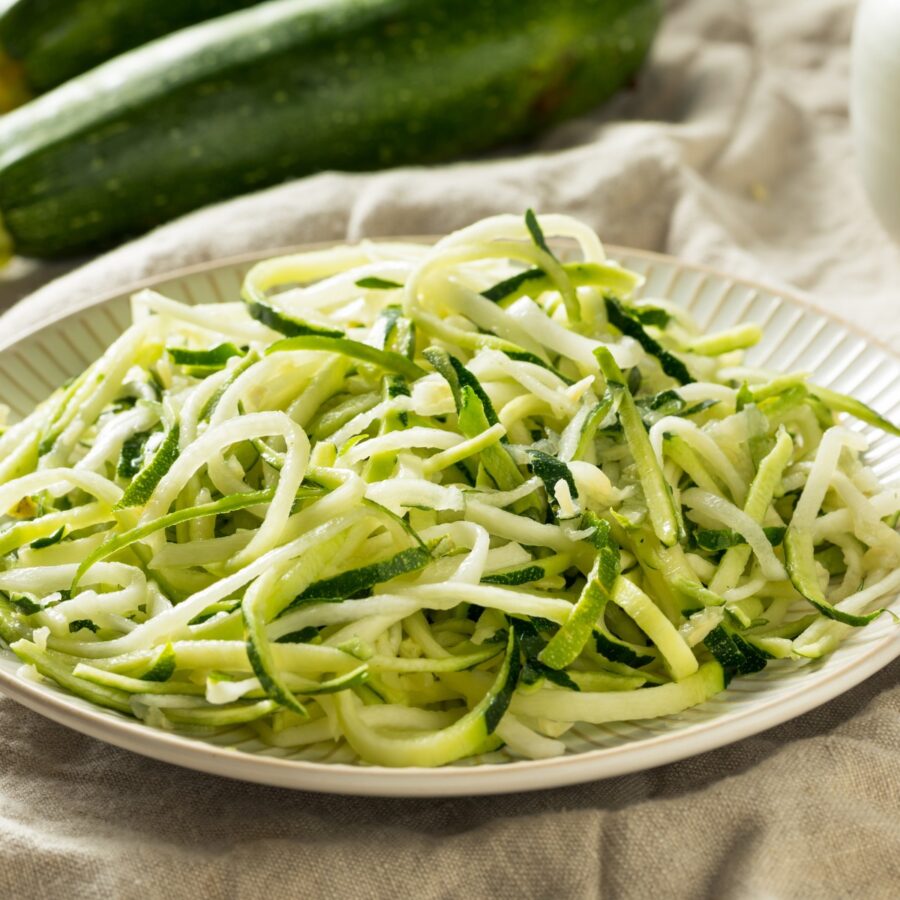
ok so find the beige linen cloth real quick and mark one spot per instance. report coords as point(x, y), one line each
point(733, 149)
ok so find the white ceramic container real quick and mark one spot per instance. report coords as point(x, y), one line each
point(875, 106)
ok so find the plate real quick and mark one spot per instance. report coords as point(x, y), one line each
point(798, 337)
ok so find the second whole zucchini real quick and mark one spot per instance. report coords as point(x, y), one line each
point(292, 87)
point(47, 42)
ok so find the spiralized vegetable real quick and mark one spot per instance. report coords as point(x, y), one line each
point(409, 504)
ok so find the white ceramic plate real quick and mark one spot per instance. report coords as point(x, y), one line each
point(798, 337)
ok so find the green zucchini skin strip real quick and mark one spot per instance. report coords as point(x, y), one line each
point(286, 324)
point(736, 655)
point(566, 645)
point(309, 688)
point(528, 572)
point(618, 651)
point(145, 482)
point(855, 408)
point(13, 626)
point(516, 577)
point(231, 503)
point(399, 520)
point(245, 363)
point(386, 359)
point(135, 685)
point(738, 338)
point(667, 403)
point(130, 455)
point(536, 232)
point(656, 491)
point(465, 737)
point(624, 706)
point(378, 284)
point(353, 678)
point(341, 587)
point(475, 414)
point(207, 360)
point(619, 317)
point(458, 377)
point(714, 540)
point(570, 298)
point(427, 664)
point(30, 531)
point(608, 406)
point(526, 356)
point(50, 540)
point(62, 674)
point(533, 282)
point(800, 559)
point(594, 682)
point(255, 610)
point(551, 471)
point(219, 717)
point(161, 667)
point(263, 664)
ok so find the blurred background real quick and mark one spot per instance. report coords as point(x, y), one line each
point(719, 132)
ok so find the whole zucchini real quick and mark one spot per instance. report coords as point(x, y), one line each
point(295, 86)
point(51, 41)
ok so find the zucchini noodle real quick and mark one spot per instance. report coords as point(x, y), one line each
point(409, 505)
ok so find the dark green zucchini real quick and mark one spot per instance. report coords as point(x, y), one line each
point(292, 87)
point(55, 40)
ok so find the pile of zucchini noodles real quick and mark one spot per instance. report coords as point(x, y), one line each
point(409, 504)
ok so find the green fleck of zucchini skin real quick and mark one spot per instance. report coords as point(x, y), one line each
point(55, 40)
point(289, 88)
